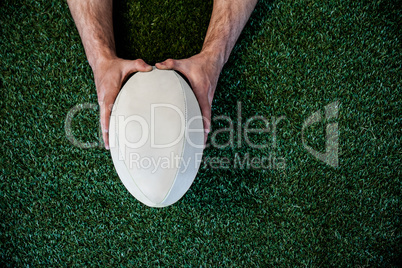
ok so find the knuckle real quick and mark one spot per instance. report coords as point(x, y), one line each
point(139, 61)
point(170, 62)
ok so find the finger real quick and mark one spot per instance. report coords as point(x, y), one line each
point(170, 64)
point(105, 136)
point(105, 109)
point(207, 127)
point(165, 65)
point(206, 120)
point(206, 112)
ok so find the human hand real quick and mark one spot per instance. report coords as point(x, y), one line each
point(109, 76)
point(202, 71)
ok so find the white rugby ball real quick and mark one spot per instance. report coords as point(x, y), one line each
point(156, 136)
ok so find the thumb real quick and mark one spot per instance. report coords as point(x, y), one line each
point(132, 66)
point(170, 64)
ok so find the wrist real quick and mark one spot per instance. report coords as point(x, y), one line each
point(97, 59)
point(215, 57)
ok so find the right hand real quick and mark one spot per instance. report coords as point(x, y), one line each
point(109, 76)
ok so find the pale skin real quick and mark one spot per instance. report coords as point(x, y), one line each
point(94, 22)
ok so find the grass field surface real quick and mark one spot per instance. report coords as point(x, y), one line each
point(61, 205)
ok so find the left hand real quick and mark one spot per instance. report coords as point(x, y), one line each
point(202, 71)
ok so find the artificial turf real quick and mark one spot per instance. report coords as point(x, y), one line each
point(62, 205)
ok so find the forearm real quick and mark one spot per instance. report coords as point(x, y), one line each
point(227, 21)
point(94, 22)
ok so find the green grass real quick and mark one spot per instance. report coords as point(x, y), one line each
point(62, 205)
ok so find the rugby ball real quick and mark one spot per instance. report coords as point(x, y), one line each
point(156, 136)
